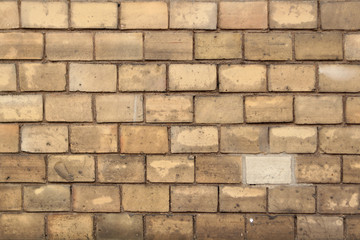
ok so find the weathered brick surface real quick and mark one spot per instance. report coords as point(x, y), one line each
point(9, 138)
point(352, 230)
point(352, 46)
point(319, 227)
point(351, 167)
point(9, 15)
point(334, 15)
point(17, 45)
point(21, 108)
point(32, 226)
point(8, 77)
point(10, 197)
point(70, 226)
point(340, 140)
point(352, 110)
point(338, 78)
point(175, 227)
point(338, 199)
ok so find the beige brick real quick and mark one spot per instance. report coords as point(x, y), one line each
point(149, 77)
point(119, 108)
point(9, 15)
point(32, 226)
point(44, 14)
point(70, 226)
point(269, 227)
point(352, 110)
point(289, 78)
point(219, 45)
point(168, 45)
point(71, 168)
point(195, 198)
point(68, 108)
point(143, 139)
point(288, 14)
point(88, 198)
point(338, 199)
point(120, 168)
point(94, 138)
point(145, 198)
point(92, 77)
point(352, 227)
point(269, 109)
point(119, 226)
point(339, 78)
point(334, 15)
point(243, 15)
point(9, 138)
point(49, 197)
point(69, 46)
point(352, 46)
point(242, 78)
point(193, 15)
point(24, 108)
point(22, 168)
point(10, 197)
point(344, 140)
point(194, 139)
point(144, 15)
point(243, 139)
point(242, 199)
point(320, 227)
point(219, 109)
point(351, 166)
point(268, 46)
point(218, 169)
point(94, 14)
point(175, 227)
point(118, 46)
point(318, 109)
point(7, 77)
point(17, 45)
point(318, 46)
point(192, 77)
point(174, 168)
point(317, 169)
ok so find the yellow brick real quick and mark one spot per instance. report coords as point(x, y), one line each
point(32, 226)
point(16, 45)
point(335, 15)
point(353, 110)
point(352, 46)
point(351, 173)
point(320, 227)
point(70, 226)
point(23, 108)
point(9, 15)
point(344, 140)
point(9, 138)
point(7, 77)
point(339, 78)
point(10, 197)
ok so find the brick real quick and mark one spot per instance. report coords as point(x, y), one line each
point(269, 227)
point(352, 46)
point(119, 108)
point(194, 139)
point(176, 227)
point(94, 14)
point(22, 168)
point(50, 197)
point(165, 108)
point(22, 108)
point(32, 226)
point(42, 76)
point(118, 46)
point(9, 15)
point(318, 109)
point(219, 109)
point(149, 77)
point(168, 45)
point(17, 45)
point(352, 110)
point(253, 15)
point(7, 77)
point(145, 198)
point(193, 15)
point(69, 46)
point(242, 199)
point(298, 15)
point(268, 46)
point(216, 226)
point(242, 78)
point(196, 198)
point(319, 227)
point(70, 226)
point(352, 227)
point(175, 168)
point(87, 198)
point(220, 45)
point(243, 139)
point(334, 15)
point(117, 168)
point(143, 139)
point(218, 169)
point(44, 139)
point(119, 226)
point(270, 169)
point(10, 198)
point(338, 199)
point(92, 77)
point(318, 169)
point(318, 46)
point(269, 109)
point(291, 78)
point(71, 168)
point(344, 140)
point(94, 138)
point(9, 138)
point(144, 15)
point(339, 78)
point(351, 166)
point(68, 108)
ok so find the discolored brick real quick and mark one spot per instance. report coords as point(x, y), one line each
point(340, 140)
point(352, 111)
point(339, 78)
point(335, 15)
point(70, 226)
point(352, 46)
point(177, 227)
point(10, 197)
point(351, 166)
point(32, 226)
point(319, 227)
point(9, 15)
point(8, 77)
point(352, 227)
point(18, 45)
point(338, 199)
point(21, 108)
point(9, 138)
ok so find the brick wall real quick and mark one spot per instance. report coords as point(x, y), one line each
point(180, 120)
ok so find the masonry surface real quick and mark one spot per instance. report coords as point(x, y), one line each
point(172, 120)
